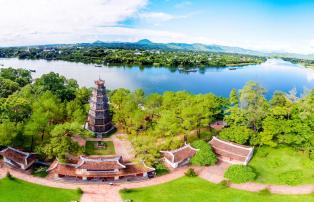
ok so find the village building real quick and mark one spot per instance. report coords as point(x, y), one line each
point(99, 120)
point(218, 125)
point(104, 168)
point(18, 159)
point(231, 152)
point(179, 157)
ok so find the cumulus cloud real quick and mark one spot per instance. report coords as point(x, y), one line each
point(312, 43)
point(156, 16)
point(23, 21)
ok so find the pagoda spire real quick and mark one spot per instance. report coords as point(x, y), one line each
point(99, 120)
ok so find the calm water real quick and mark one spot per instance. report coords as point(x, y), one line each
point(272, 75)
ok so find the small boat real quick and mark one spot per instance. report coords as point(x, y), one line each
point(2, 65)
point(187, 70)
point(232, 68)
point(32, 70)
point(98, 65)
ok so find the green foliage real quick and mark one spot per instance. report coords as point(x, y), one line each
point(240, 174)
point(160, 169)
point(204, 156)
point(190, 173)
point(63, 88)
point(79, 191)
point(133, 56)
point(293, 177)
point(238, 134)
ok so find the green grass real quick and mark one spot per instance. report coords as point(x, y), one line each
point(90, 148)
point(275, 166)
point(20, 191)
point(187, 189)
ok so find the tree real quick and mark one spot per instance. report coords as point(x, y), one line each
point(60, 144)
point(237, 134)
point(16, 108)
point(233, 97)
point(205, 155)
point(7, 87)
point(8, 132)
point(63, 88)
point(254, 104)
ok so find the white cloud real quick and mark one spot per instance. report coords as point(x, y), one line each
point(183, 4)
point(312, 43)
point(23, 21)
point(156, 16)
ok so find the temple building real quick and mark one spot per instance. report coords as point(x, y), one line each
point(105, 168)
point(179, 157)
point(18, 159)
point(99, 120)
point(231, 152)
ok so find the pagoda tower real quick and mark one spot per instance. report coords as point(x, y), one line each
point(99, 120)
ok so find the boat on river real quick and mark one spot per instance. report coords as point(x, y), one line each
point(232, 68)
point(188, 70)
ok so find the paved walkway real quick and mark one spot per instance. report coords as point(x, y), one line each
point(123, 146)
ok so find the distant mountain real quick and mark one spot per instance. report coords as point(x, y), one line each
point(147, 44)
point(144, 41)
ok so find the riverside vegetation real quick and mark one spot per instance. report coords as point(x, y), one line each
point(103, 56)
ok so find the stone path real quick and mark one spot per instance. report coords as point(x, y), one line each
point(123, 146)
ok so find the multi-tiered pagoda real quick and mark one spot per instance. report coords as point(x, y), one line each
point(99, 120)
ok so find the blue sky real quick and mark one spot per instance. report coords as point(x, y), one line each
point(272, 25)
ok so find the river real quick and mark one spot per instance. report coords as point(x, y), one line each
point(273, 75)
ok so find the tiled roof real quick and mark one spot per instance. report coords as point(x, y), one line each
point(74, 171)
point(18, 156)
point(232, 150)
point(178, 155)
point(100, 163)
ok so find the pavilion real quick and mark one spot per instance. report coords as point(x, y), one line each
point(179, 157)
point(231, 152)
point(18, 159)
point(105, 168)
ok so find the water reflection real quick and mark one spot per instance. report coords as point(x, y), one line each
point(273, 75)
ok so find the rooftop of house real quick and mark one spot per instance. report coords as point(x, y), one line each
point(230, 149)
point(178, 155)
point(18, 156)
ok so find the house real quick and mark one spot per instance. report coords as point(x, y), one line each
point(105, 168)
point(179, 157)
point(218, 125)
point(231, 152)
point(18, 159)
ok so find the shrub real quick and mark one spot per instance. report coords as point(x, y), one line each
point(308, 163)
point(190, 173)
point(125, 190)
point(205, 155)
point(224, 183)
point(265, 192)
point(240, 174)
point(291, 177)
point(79, 191)
point(160, 169)
point(262, 152)
point(9, 176)
point(275, 162)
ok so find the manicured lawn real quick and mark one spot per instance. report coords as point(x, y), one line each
point(283, 165)
point(19, 191)
point(195, 189)
point(92, 150)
